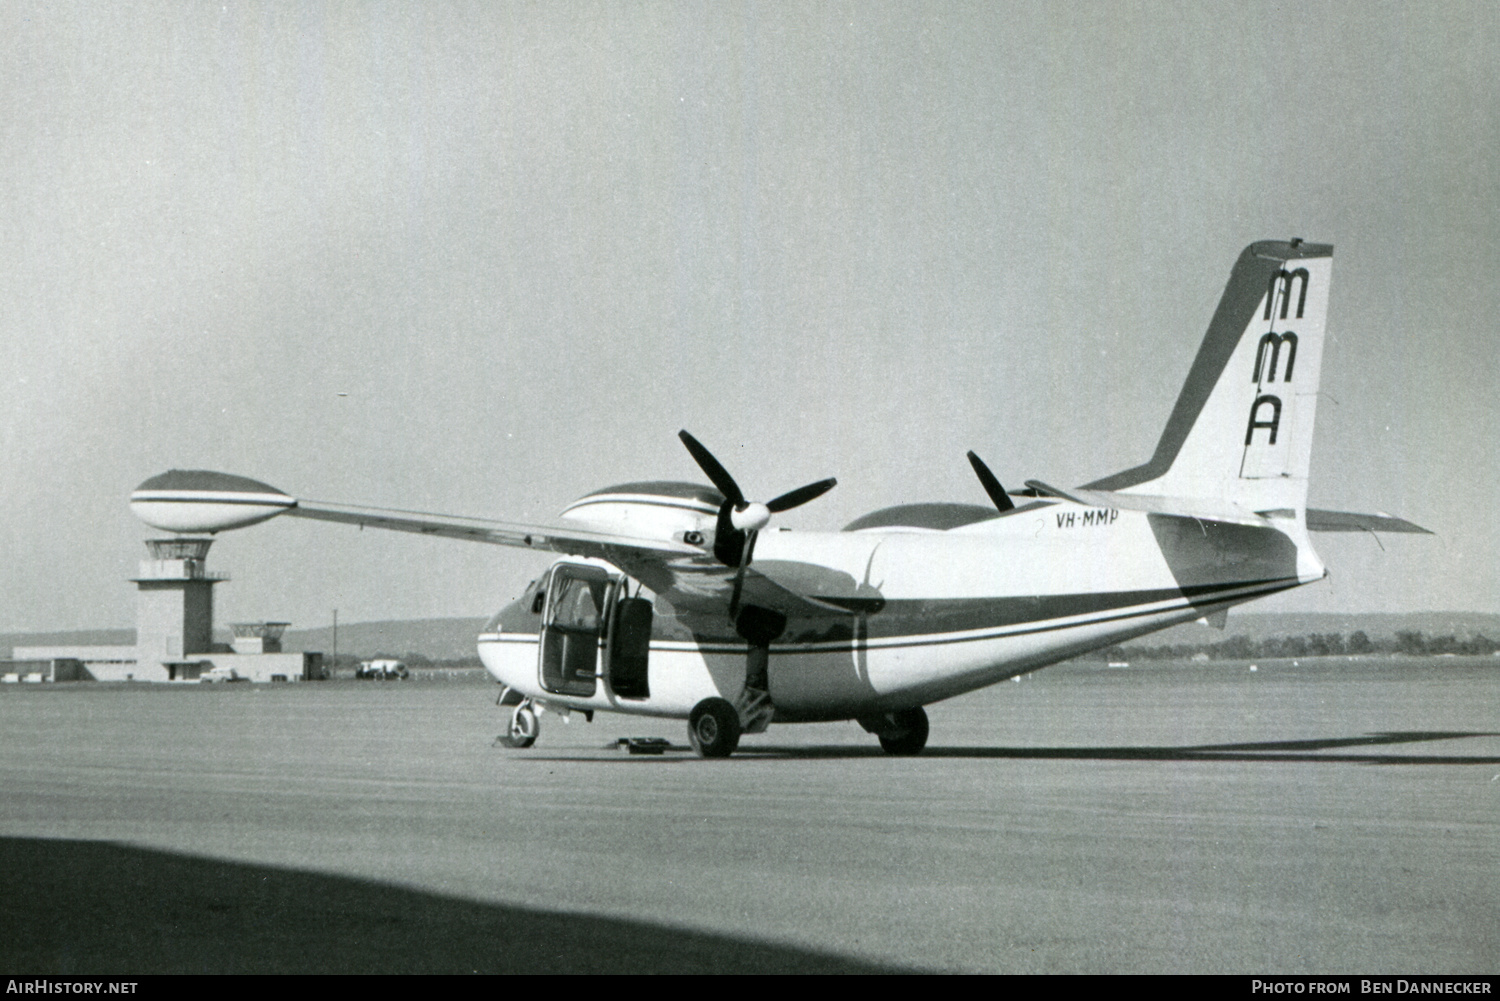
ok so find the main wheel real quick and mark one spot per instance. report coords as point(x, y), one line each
point(714, 728)
point(523, 728)
point(913, 723)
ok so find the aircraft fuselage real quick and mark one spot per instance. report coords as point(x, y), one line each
point(915, 616)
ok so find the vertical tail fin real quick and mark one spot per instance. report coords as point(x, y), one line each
point(1241, 431)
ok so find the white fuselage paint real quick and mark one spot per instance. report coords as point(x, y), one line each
point(1048, 552)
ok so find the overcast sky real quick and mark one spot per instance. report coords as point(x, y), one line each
point(531, 242)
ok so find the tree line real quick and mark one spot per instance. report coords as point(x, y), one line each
point(1408, 642)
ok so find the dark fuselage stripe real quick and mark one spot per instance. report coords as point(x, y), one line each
point(910, 640)
point(907, 617)
point(1046, 626)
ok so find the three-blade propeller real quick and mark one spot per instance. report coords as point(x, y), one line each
point(740, 520)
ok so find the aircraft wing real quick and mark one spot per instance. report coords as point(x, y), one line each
point(688, 575)
point(554, 538)
point(194, 501)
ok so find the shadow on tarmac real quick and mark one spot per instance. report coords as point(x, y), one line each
point(1281, 750)
point(70, 907)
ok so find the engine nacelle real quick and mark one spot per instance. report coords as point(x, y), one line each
point(197, 500)
point(657, 509)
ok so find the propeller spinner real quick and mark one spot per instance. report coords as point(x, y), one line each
point(740, 520)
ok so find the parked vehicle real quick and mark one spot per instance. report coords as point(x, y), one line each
point(382, 670)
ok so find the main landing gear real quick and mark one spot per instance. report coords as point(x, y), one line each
point(714, 728)
point(715, 725)
point(903, 732)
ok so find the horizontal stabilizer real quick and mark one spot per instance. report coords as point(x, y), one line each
point(1348, 521)
point(1047, 490)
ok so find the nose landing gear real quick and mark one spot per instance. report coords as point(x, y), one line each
point(523, 728)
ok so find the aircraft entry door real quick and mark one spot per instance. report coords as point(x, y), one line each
point(579, 599)
point(630, 648)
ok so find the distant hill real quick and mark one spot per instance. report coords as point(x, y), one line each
point(1263, 625)
point(451, 639)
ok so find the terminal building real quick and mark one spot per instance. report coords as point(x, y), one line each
point(174, 634)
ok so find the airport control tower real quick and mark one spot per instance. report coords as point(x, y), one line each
point(175, 601)
point(175, 595)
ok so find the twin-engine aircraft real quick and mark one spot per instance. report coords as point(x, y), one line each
point(682, 600)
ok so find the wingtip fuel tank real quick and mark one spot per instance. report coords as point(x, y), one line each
point(199, 500)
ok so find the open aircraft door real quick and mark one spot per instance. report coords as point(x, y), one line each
point(587, 614)
point(630, 648)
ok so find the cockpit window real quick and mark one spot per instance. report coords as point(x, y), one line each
point(515, 613)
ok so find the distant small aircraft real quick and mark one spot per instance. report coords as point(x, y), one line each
point(675, 599)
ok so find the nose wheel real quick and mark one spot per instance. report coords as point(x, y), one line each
point(523, 728)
